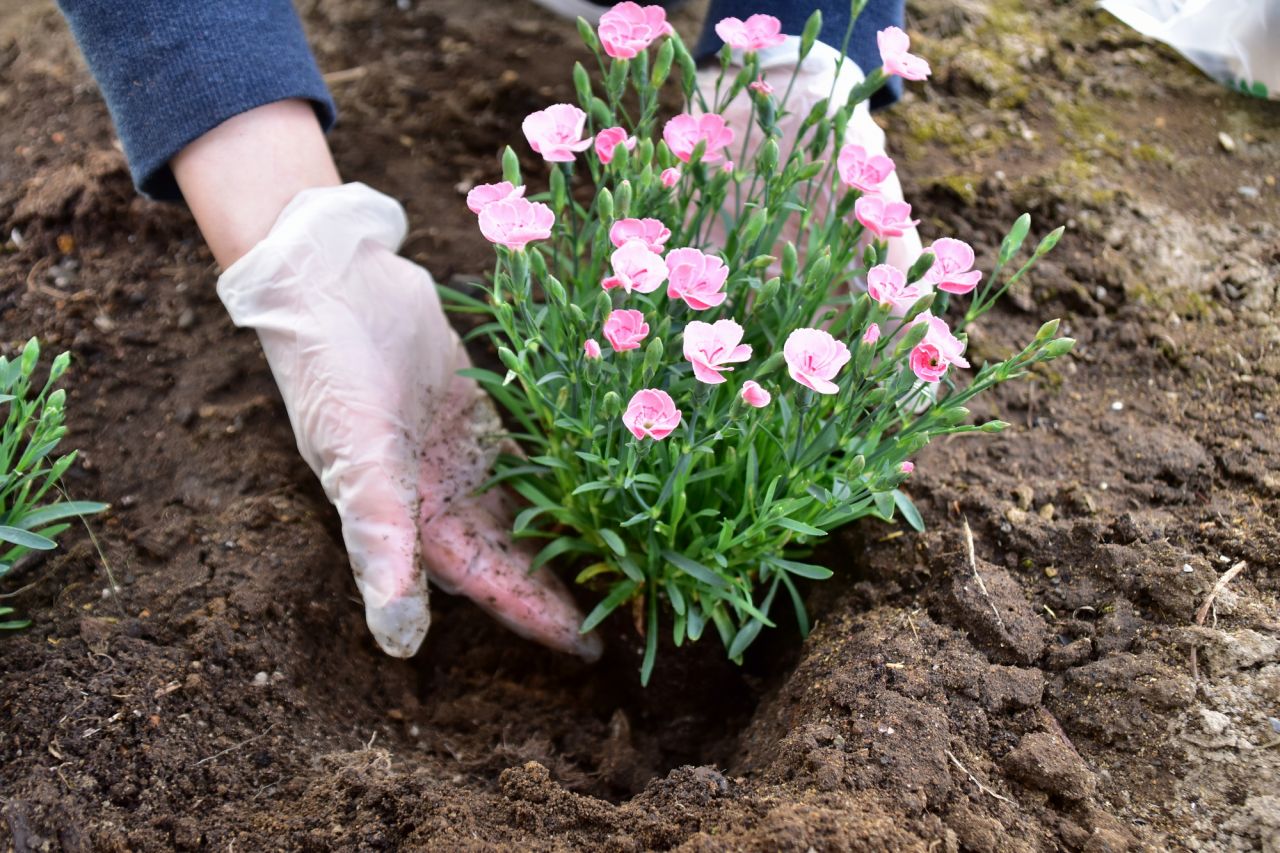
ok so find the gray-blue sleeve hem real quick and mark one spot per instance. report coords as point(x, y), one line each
point(171, 70)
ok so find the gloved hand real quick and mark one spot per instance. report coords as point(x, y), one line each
point(367, 365)
point(815, 80)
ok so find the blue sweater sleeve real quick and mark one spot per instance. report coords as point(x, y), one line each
point(863, 50)
point(171, 70)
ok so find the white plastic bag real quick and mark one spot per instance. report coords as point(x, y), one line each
point(1236, 42)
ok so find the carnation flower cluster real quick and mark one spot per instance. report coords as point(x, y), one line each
point(707, 366)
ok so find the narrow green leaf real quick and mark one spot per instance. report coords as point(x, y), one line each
point(26, 539)
point(694, 569)
point(620, 593)
point(909, 511)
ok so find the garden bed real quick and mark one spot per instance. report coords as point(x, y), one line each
point(1039, 696)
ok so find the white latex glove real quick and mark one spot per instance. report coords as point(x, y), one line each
point(367, 365)
point(815, 80)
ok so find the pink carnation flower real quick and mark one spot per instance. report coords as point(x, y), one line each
point(888, 286)
point(591, 348)
point(754, 395)
point(609, 139)
point(485, 194)
point(651, 232)
point(710, 347)
point(760, 85)
point(907, 467)
point(893, 44)
point(872, 334)
point(952, 269)
point(516, 222)
point(636, 268)
point(625, 329)
point(814, 358)
point(683, 133)
point(861, 170)
point(697, 278)
point(939, 350)
point(882, 217)
point(556, 132)
point(670, 177)
point(651, 414)
point(755, 33)
point(629, 28)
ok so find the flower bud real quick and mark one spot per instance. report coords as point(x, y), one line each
point(1050, 240)
point(582, 83)
point(559, 194)
point(604, 206)
point(1048, 330)
point(662, 66)
point(510, 359)
point(767, 161)
point(652, 358)
point(688, 68)
point(604, 304)
point(809, 35)
point(1057, 348)
point(914, 335)
point(554, 289)
point(754, 227)
point(954, 415)
point(994, 426)
point(578, 315)
point(30, 355)
point(921, 305)
point(769, 289)
point(59, 366)
point(811, 171)
point(539, 265)
point(922, 265)
point(1012, 241)
point(510, 166)
point(611, 405)
point(770, 364)
point(790, 260)
point(622, 200)
point(856, 466)
point(601, 114)
point(504, 314)
point(759, 262)
point(588, 35)
point(54, 403)
point(817, 276)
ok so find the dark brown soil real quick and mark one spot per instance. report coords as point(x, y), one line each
point(1039, 698)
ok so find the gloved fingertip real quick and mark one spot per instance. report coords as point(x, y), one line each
point(590, 647)
point(400, 625)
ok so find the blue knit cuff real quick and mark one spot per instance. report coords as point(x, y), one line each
point(863, 49)
point(171, 70)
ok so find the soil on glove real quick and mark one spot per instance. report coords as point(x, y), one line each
point(1040, 696)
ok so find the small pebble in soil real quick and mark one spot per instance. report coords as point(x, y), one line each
point(261, 680)
point(1228, 144)
point(1186, 568)
point(1248, 192)
point(1117, 406)
point(1275, 724)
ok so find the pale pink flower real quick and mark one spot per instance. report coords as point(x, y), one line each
point(629, 28)
point(861, 170)
point(952, 269)
point(636, 268)
point(710, 347)
point(697, 278)
point(683, 133)
point(727, 168)
point(484, 194)
point(591, 348)
point(872, 334)
point(670, 177)
point(556, 132)
point(882, 217)
point(888, 286)
point(939, 350)
point(755, 33)
point(649, 231)
point(760, 85)
point(907, 467)
point(893, 44)
point(755, 395)
point(625, 329)
point(516, 222)
point(651, 414)
point(609, 139)
point(814, 358)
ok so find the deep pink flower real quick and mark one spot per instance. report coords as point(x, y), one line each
point(939, 350)
point(697, 278)
point(882, 217)
point(893, 44)
point(754, 395)
point(651, 414)
point(629, 28)
point(872, 334)
point(591, 348)
point(861, 170)
point(556, 132)
point(710, 347)
point(636, 268)
point(516, 222)
point(609, 139)
point(683, 133)
point(760, 85)
point(670, 177)
point(484, 194)
point(907, 467)
point(814, 358)
point(888, 286)
point(625, 329)
point(755, 33)
point(952, 269)
point(651, 232)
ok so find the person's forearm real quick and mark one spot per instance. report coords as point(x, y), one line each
point(238, 177)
